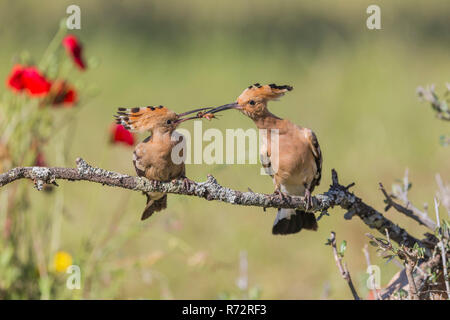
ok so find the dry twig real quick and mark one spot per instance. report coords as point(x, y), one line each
point(443, 250)
point(409, 210)
point(342, 266)
point(400, 281)
point(409, 257)
point(438, 105)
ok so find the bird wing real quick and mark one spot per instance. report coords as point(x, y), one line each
point(317, 153)
point(156, 162)
point(137, 161)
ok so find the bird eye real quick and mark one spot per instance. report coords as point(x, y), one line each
point(169, 121)
point(252, 102)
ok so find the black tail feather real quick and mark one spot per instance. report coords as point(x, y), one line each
point(153, 206)
point(294, 223)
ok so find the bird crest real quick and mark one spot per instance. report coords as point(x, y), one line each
point(264, 92)
point(253, 101)
point(143, 118)
point(150, 117)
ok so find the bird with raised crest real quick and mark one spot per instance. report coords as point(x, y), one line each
point(299, 163)
point(156, 157)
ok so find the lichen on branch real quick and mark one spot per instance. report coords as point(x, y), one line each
point(337, 194)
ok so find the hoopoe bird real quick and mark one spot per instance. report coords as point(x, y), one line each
point(299, 156)
point(153, 157)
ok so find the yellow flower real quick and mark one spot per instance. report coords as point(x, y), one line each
point(61, 261)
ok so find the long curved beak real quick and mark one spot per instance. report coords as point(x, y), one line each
point(228, 106)
point(180, 115)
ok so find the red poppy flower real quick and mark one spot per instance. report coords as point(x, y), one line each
point(63, 94)
point(14, 80)
point(35, 82)
point(28, 78)
point(121, 135)
point(74, 48)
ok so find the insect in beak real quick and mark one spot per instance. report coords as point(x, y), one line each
point(180, 115)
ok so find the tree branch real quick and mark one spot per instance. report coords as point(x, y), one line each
point(438, 105)
point(409, 210)
point(337, 195)
point(400, 280)
point(409, 257)
point(342, 266)
point(443, 250)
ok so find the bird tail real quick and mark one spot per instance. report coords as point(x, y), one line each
point(153, 206)
point(289, 221)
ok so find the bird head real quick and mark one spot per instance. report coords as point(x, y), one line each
point(152, 118)
point(253, 100)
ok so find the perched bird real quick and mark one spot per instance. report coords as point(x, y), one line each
point(299, 160)
point(153, 157)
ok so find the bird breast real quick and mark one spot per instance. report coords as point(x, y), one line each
point(291, 160)
point(154, 159)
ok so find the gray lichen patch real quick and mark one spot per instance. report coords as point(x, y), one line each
point(41, 173)
point(39, 184)
point(142, 184)
point(84, 169)
point(14, 172)
point(229, 195)
point(41, 176)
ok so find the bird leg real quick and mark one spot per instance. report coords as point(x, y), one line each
point(281, 195)
point(155, 183)
point(308, 199)
point(187, 183)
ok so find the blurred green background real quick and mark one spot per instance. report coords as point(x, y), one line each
point(353, 86)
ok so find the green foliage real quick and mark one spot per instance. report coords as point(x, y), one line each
point(342, 248)
point(401, 294)
point(420, 252)
point(30, 242)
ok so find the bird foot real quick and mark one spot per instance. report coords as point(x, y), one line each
point(155, 183)
point(281, 195)
point(187, 183)
point(308, 199)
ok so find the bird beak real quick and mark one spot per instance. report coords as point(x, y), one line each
point(180, 115)
point(228, 106)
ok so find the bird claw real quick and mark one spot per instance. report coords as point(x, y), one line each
point(281, 195)
point(155, 183)
point(308, 199)
point(187, 183)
